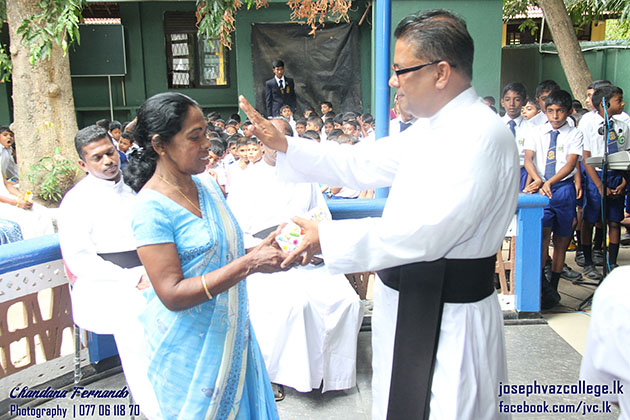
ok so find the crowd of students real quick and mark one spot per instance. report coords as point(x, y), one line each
point(233, 152)
point(555, 137)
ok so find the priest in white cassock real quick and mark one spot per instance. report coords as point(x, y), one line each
point(306, 320)
point(96, 242)
point(437, 328)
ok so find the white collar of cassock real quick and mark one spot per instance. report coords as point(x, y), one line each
point(445, 114)
point(104, 183)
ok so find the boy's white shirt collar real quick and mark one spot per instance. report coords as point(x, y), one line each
point(278, 80)
point(518, 120)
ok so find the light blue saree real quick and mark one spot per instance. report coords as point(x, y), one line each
point(204, 361)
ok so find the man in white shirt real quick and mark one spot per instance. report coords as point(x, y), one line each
point(306, 320)
point(96, 241)
point(454, 183)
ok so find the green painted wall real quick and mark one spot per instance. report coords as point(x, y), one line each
point(146, 56)
point(605, 59)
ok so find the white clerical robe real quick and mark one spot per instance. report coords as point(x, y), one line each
point(306, 320)
point(453, 193)
point(95, 218)
point(606, 359)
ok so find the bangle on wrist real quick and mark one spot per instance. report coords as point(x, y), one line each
point(205, 287)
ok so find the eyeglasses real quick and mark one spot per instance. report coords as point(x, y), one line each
point(400, 72)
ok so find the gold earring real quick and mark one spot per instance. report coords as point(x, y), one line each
point(162, 153)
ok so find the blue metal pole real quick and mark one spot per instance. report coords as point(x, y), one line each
point(383, 24)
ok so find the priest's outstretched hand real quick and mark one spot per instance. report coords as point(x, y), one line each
point(309, 245)
point(262, 128)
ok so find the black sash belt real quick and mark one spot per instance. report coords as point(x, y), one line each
point(126, 259)
point(424, 287)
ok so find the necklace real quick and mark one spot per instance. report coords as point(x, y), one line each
point(181, 192)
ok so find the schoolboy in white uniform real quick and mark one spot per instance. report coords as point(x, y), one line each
point(551, 153)
point(513, 99)
point(595, 145)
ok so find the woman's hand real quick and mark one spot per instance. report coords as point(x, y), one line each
point(267, 256)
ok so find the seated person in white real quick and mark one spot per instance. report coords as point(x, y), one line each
point(34, 220)
point(306, 320)
point(94, 227)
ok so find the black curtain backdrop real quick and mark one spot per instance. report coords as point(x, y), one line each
point(324, 67)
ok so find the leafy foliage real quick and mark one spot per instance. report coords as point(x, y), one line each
point(581, 12)
point(316, 11)
point(53, 176)
point(617, 29)
point(215, 18)
point(6, 67)
point(56, 23)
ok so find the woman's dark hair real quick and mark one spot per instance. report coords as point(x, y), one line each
point(159, 118)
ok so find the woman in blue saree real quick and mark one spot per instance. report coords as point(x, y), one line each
point(204, 361)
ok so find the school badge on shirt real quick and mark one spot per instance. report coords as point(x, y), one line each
point(621, 139)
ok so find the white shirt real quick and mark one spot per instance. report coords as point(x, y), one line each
point(284, 82)
point(8, 167)
point(95, 217)
point(456, 204)
point(623, 117)
point(282, 199)
point(394, 125)
point(521, 129)
point(606, 357)
point(594, 141)
point(569, 142)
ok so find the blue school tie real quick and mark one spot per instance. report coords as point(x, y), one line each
point(613, 146)
point(550, 165)
point(512, 125)
point(404, 126)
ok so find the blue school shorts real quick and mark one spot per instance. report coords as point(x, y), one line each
point(592, 207)
point(560, 212)
point(523, 179)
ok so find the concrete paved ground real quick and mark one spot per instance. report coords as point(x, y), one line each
point(535, 353)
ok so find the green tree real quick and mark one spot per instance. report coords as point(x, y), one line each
point(40, 32)
point(563, 17)
point(44, 119)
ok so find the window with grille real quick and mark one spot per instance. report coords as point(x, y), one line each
point(514, 38)
point(192, 62)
